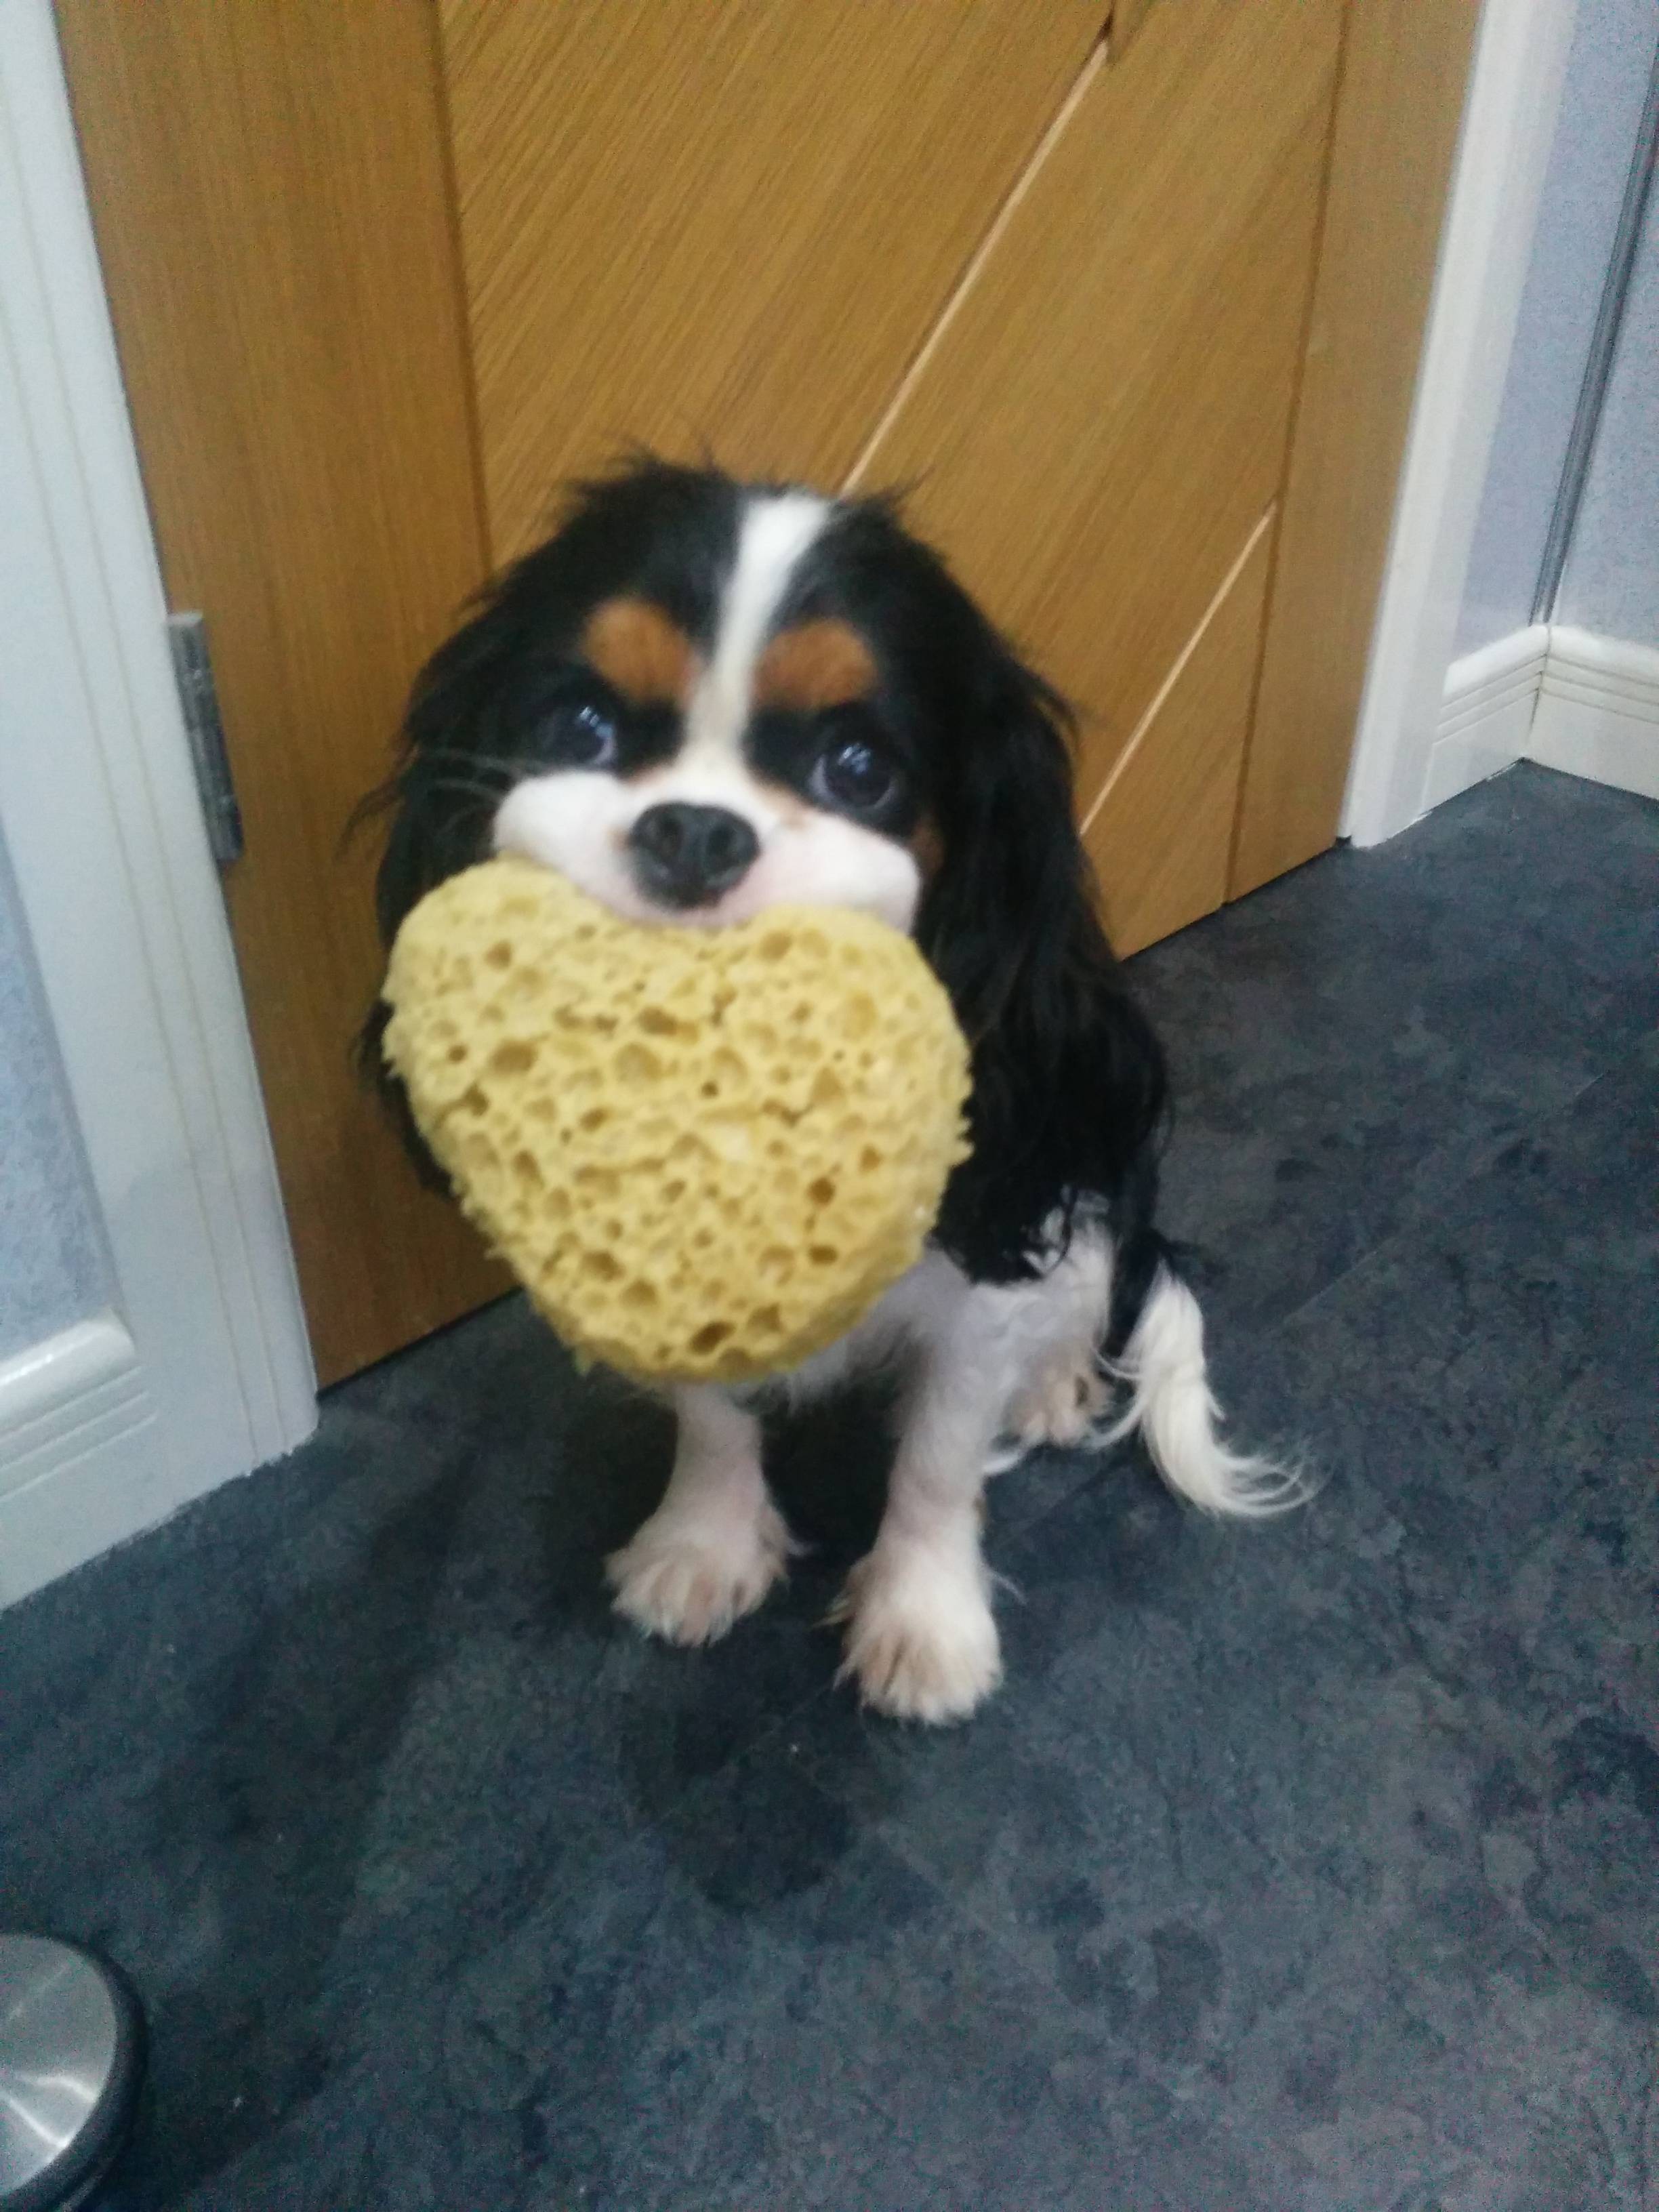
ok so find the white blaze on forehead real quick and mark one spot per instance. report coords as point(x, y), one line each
point(580, 821)
point(776, 530)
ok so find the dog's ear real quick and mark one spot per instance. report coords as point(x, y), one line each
point(375, 1071)
point(1069, 1084)
point(439, 802)
point(1004, 904)
point(443, 794)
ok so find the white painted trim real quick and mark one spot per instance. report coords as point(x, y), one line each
point(1598, 710)
point(1566, 698)
point(1486, 714)
point(119, 893)
point(83, 1453)
point(54, 1391)
point(1509, 122)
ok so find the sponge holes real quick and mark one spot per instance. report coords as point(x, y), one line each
point(513, 1056)
point(598, 1099)
point(637, 1063)
point(857, 1017)
point(579, 1020)
point(477, 1153)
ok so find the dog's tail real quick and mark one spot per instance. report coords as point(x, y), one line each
point(1171, 1402)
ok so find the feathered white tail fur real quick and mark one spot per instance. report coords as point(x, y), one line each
point(1171, 1403)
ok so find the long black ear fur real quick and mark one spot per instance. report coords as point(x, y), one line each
point(1069, 1080)
point(438, 825)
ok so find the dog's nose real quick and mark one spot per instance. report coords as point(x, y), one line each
point(685, 855)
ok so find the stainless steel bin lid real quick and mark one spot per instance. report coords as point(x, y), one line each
point(71, 2056)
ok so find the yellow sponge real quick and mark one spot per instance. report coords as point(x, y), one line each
point(706, 1152)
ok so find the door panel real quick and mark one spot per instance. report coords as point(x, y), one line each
point(1104, 420)
point(1396, 132)
point(291, 337)
point(381, 275)
point(1160, 833)
point(726, 221)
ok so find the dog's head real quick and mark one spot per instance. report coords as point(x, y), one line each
point(700, 699)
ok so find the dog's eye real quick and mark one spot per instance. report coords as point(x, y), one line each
point(578, 734)
point(852, 773)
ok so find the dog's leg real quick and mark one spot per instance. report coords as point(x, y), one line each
point(716, 1544)
point(1063, 1401)
point(1062, 1392)
point(921, 1640)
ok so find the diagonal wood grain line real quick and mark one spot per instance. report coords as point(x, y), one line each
point(981, 254)
point(1137, 734)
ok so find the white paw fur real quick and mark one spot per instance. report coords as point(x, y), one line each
point(921, 1641)
point(687, 1578)
point(1062, 1404)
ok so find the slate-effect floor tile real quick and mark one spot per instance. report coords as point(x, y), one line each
point(1309, 1867)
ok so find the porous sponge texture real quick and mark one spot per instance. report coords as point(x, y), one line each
point(704, 1153)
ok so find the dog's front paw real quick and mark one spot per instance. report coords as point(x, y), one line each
point(921, 1641)
point(688, 1580)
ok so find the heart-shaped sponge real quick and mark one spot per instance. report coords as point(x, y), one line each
point(704, 1153)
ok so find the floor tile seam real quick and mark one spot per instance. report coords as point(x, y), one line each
point(667, 1814)
point(1015, 1533)
point(899, 1836)
point(770, 1724)
point(1479, 1165)
point(957, 1909)
point(1026, 1977)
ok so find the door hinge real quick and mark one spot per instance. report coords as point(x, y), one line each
point(199, 697)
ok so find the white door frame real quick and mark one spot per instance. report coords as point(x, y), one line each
point(1509, 123)
point(199, 1368)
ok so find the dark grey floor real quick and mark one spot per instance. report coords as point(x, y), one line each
point(1311, 1866)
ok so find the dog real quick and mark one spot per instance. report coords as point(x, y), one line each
point(700, 698)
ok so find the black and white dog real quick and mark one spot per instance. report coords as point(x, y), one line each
point(702, 698)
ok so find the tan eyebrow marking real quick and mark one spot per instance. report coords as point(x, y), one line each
point(825, 663)
point(642, 653)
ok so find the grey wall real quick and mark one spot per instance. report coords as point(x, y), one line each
point(52, 1260)
point(1612, 51)
point(1612, 578)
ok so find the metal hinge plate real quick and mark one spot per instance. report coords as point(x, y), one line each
point(197, 695)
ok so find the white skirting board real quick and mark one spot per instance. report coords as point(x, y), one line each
point(79, 1466)
point(1598, 710)
point(1563, 697)
point(1486, 714)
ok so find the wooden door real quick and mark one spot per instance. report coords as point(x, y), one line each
point(1126, 305)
